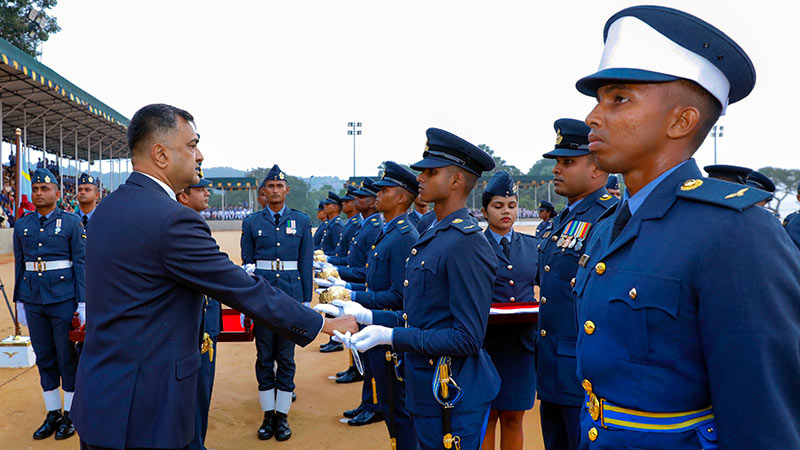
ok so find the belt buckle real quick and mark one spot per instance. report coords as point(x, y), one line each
point(41, 266)
point(277, 265)
point(596, 408)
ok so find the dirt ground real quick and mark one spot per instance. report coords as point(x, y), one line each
point(235, 413)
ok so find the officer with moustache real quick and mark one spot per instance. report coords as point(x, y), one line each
point(88, 196)
point(196, 198)
point(577, 178)
point(681, 345)
point(278, 242)
point(449, 279)
point(49, 248)
point(383, 290)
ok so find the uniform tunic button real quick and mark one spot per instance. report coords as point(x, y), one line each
point(277, 228)
point(588, 327)
point(512, 299)
point(405, 316)
point(510, 267)
point(543, 333)
point(592, 434)
point(511, 282)
point(278, 244)
point(373, 247)
point(600, 268)
point(40, 244)
point(41, 229)
point(430, 361)
point(407, 259)
point(632, 293)
point(405, 283)
point(572, 282)
point(587, 385)
point(547, 268)
point(422, 263)
point(366, 266)
point(277, 275)
point(40, 273)
point(413, 251)
point(376, 254)
point(544, 300)
point(39, 258)
point(555, 238)
point(62, 277)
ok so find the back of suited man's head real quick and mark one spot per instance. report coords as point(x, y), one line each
point(152, 121)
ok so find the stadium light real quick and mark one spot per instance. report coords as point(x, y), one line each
point(354, 129)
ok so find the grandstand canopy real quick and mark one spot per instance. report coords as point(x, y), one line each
point(233, 183)
point(523, 181)
point(55, 112)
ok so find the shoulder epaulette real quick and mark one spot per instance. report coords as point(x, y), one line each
point(789, 218)
point(375, 222)
point(465, 226)
point(301, 213)
point(721, 193)
point(607, 200)
point(608, 212)
point(403, 226)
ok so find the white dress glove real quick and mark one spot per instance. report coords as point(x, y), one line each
point(249, 268)
point(340, 308)
point(82, 312)
point(21, 315)
point(337, 281)
point(323, 283)
point(371, 336)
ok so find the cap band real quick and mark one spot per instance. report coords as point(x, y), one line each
point(633, 44)
point(471, 165)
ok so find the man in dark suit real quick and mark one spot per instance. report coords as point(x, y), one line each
point(137, 377)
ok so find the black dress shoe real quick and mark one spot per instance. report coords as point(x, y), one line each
point(365, 418)
point(330, 341)
point(342, 373)
point(294, 397)
point(281, 426)
point(50, 425)
point(66, 429)
point(333, 347)
point(266, 431)
point(350, 413)
point(350, 377)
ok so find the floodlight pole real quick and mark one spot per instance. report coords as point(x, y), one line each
point(716, 131)
point(354, 129)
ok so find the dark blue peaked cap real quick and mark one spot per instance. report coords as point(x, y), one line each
point(349, 194)
point(734, 174)
point(396, 175)
point(758, 180)
point(693, 36)
point(613, 182)
point(202, 183)
point(572, 138)
point(42, 175)
point(274, 174)
point(446, 149)
point(332, 199)
point(544, 204)
point(320, 207)
point(86, 179)
point(501, 184)
point(367, 188)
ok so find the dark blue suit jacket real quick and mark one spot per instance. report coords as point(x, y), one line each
point(557, 267)
point(288, 240)
point(386, 267)
point(696, 304)
point(515, 279)
point(448, 289)
point(150, 260)
point(33, 242)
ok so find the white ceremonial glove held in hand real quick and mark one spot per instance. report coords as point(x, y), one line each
point(323, 283)
point(241, 320)
point(21, 315)
point(317, 265)
point(82, 312)
point(249, 268)
point(307, 304)
point(328, 309)
point(343, 338)
point(326, 265)
point(371, 336)
point(362, 315)
point(337, 281)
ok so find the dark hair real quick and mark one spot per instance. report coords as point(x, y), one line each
point(710, 109)
point(154, 119)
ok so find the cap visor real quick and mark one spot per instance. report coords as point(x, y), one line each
point(589, 85)
point(566, 152)
point(431, 163)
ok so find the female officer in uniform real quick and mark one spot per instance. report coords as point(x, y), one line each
point(511, 346)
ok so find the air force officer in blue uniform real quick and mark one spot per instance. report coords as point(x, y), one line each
point(278, 241)
point(687, 294)
point(448, 292)
point(577, 178)
point(137, 376)
point(511, 346)
point(49, 287)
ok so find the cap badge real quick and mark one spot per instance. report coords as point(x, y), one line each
point(559, 137)
point(47, 178)
point(514, 189)
point(281, 176)
point(688, 185)
point(91, 180)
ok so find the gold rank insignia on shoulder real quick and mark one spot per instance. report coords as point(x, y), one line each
point(458, 220)
point(693, 183)
point(467, 228)
point(738, 193)
point(559, 137)
point(400, 221)
point(606, 197)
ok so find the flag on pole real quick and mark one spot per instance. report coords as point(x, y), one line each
point(25, 189)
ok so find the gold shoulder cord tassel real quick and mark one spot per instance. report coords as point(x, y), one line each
point(208, 346)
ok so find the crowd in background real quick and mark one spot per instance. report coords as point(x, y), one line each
point(523, 213)
point(227, 213)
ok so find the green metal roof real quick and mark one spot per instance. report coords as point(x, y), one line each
point(33, 94)
point(233, 183)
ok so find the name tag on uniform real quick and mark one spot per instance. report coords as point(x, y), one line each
point(291, 226)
